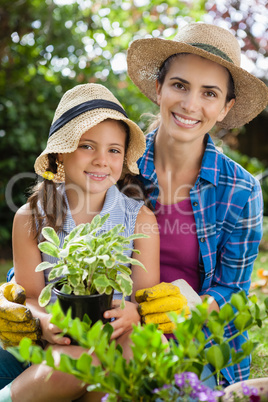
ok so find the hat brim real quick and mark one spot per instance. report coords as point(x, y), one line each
point(71, 133)
point(146, 56)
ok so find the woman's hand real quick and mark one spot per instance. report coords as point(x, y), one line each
point(124, 318)
point(51, 332)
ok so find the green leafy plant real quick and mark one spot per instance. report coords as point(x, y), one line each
point(154, 370)
point(90, 261)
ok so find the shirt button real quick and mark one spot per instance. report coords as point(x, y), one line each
point(202, 239)
point(195, 204)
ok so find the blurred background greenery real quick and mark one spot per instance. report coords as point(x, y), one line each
point(48, 46)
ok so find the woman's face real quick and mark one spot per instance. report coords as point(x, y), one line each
point(192, 98)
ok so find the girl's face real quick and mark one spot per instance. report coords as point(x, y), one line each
point(97, 162)
point(192, 98)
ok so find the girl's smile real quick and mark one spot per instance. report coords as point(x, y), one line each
point(97, 176)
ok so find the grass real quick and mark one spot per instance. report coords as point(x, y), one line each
point(259, 366)
point(5, 266)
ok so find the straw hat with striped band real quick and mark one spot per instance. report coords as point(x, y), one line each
point(80, 109)
point(146, 56)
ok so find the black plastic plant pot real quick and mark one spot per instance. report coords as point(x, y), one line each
point(92, 305)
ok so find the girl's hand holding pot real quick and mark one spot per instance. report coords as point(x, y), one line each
point(51, 332)
point(124, 318)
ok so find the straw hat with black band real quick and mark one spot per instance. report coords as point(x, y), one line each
point(80, 109)
point(146, 56)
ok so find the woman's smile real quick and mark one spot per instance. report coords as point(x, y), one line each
point(185, 121)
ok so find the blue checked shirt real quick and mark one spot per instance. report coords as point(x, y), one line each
point(227, 206)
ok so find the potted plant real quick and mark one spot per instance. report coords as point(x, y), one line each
point(255, 390)
point(91, 265)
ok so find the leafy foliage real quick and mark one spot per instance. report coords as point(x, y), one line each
point(153, 365)
point(47, 47)
point(90, 261)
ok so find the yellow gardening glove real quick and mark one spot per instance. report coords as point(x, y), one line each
point(163, 304)
point(161, 290)
point(163, 320)
point(16, 320)
point(156, 302)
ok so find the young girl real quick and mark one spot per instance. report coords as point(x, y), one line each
point(92, 145)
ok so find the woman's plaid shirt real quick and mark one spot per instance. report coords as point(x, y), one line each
point(228, 209)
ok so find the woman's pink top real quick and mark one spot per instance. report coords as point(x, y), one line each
point(179, 247)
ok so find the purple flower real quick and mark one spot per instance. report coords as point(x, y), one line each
point(189, 384)
point(245, 388)
point(217, 393)
point(191, 377)
point(202, 396)
point(194, 394)
point(104, 398)
point(254, 391)
point(179, 380)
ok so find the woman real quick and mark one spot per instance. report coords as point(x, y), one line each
point(209, 209)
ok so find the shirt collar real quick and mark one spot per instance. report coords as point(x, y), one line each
point(146, 162)
point(210, 168)
point(211, 162)
point(111, 205)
